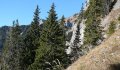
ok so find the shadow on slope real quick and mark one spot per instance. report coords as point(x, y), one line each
point(115, 67)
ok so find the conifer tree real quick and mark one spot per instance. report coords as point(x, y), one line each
point(62, 22)
point(76, 48)
point(76, 45)
point(62, 26)
point(31, 39)
point(12, 49)
point(51, 52)
point(93, 29)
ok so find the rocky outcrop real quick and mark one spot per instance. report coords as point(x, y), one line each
point(112, 16)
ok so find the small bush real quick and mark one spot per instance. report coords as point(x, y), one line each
point(119, 18)
point(111, 28)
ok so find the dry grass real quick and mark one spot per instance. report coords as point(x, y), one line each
point(103, 57)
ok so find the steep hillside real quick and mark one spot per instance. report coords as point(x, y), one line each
point(112, 16)
point(104, 57)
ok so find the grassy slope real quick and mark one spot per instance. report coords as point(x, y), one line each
point(102, 57)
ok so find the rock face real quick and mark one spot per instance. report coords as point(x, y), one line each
point(104, 57)
point(74, 20)
point(73, 30)
point(112, 16)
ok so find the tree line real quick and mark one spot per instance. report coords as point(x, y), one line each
point(43, 48)
point(36, 49)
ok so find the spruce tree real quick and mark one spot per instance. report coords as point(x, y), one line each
point(51, 52)
point(11, 56)
point(76, 45)
point(93, 29)
point(31, 39)
point(62, 26)
point(62, 22)
point(76, 48)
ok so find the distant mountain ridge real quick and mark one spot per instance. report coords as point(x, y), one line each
point(4, 30)
point(3, 33)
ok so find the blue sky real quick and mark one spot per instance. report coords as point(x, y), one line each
point(23, 9)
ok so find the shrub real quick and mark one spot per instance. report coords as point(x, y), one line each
point(119, 18)
point(111, 28)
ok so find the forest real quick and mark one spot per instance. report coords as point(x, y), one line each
point(43, 46)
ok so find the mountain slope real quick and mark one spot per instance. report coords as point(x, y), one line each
point(103, 57)
point(112, 16)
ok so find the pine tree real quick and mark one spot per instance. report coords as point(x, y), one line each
point(31, 39)
point(12, 49)
point(51, 52)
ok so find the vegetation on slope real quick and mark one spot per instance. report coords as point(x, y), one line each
point(35, 49)
point(51, 51)
point(11, 56)
point(93, 29)
point(104, 57)
point(4, 31)
point(96, 10)
point(111, 28)
point(45, 49)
